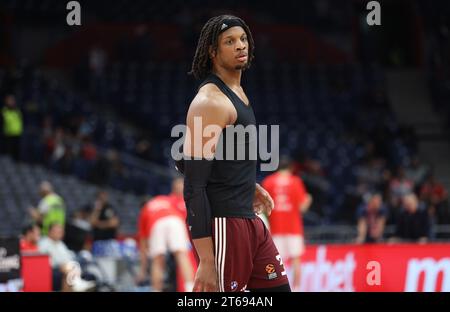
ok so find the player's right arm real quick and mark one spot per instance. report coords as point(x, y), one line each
point(208, 110)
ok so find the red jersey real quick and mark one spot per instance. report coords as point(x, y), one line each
point(158, 207)
point(288, 192)
point(179, 205)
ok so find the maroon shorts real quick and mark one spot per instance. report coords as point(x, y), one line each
point(245, 255)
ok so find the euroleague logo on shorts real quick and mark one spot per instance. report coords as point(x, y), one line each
point(270, 269)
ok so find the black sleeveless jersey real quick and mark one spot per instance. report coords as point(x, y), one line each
point(231, 185)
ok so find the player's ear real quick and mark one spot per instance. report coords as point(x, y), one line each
point(212, 52)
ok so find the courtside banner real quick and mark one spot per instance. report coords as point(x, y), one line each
point(387, 268)
point(9, 259)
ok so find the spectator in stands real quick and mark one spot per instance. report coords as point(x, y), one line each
point(85, 127)
point(371, 175)
point(413, 223)
point(371, 216)
point(12, 127)
point(103, 219)
point(31, 234)
point(434, 194)
point(162, 230)
point(54, 141)
point(416, 171)
point(78, 229)
point(399, 187)
point(66, 273)
point(51, 208)
point(88, 150)
point(291, 200)
point(432, 191)
point(61, 151)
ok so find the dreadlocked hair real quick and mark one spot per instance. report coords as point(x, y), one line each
point(201, 65)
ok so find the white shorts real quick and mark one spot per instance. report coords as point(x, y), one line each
point(289, 246)
point(168, 235)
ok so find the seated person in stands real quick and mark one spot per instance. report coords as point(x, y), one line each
point(51, 208)
point(399, 187)
point(66, 271)
point(103, 219)
point(371, 220)
point(413, 224)
point(31, 234)
point(77, 230)
point(435, 195)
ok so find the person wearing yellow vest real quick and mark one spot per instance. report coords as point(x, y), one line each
point(51, 208)
point(12, 127)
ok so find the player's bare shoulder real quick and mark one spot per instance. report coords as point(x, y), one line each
point(210, 100)
point(209, 95)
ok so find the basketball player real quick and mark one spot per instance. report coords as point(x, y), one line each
point(286, 222)
point(162, 230)
point(235, 249)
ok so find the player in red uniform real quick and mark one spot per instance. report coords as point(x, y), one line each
point(286, 224)
point(162, 229)
point(177, 198)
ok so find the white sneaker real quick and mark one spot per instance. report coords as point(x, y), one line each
point(80, 285)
